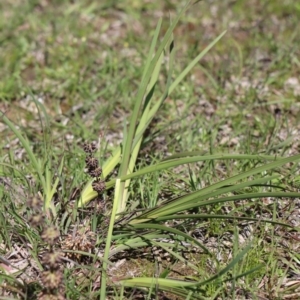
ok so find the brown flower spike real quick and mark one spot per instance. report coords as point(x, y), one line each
point(50, 235)
point(98, 186)
point(52, 259)
point(92, 162)
point(51, 279)
point(95, 172)
point(89, 147)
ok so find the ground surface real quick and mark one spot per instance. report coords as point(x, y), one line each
point(82, 61)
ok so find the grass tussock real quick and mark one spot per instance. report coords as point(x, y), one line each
point(149, 150)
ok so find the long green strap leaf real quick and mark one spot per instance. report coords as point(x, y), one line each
point(171, 230)
point(198, 196)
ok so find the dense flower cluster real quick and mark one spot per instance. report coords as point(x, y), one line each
point(93, 168)
point(52, 274)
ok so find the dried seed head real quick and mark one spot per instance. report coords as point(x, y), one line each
point(50, 235)
point(92, 162)
point(95, 172)
point(89, 147)
point(51, 280)
point(84, 240)
point(98, 186)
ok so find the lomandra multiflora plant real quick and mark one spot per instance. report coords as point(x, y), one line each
point(149, 227)
point(164, 225)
